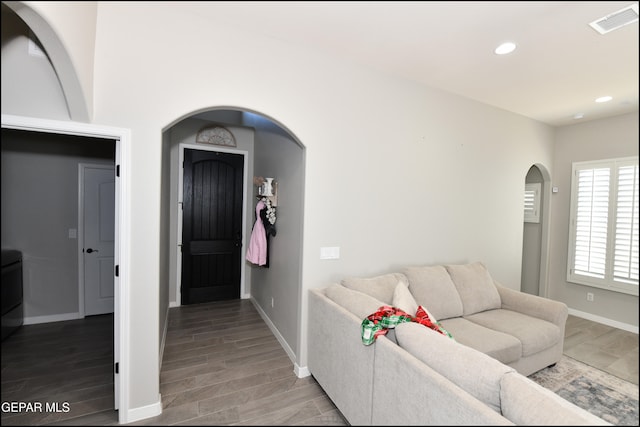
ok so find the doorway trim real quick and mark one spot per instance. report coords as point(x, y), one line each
point(122, 139)
point(245, 183)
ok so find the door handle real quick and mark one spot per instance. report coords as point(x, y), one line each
point(91, 250)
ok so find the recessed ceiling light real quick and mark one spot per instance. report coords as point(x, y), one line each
point(604, 99)
point(505, 48)
point(578, 116)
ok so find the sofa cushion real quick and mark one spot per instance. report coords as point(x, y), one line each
point(500, 346)
point(431, 286)
point(457, 362)
point(535, 334)
point(526, 403)
point(403, 299)
point(475, 287)
point(379, 287)
point(358, 303)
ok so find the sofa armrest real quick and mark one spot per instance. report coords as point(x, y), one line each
point(542, 308)
point(338, 360)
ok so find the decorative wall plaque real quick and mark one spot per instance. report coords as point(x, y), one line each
point(217, 135)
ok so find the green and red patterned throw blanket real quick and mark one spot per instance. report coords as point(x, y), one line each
point(388, 317)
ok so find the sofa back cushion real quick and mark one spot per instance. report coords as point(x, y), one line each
point(475, 287)
point(379, 287)
point(471, 370)
point(432, 288)
point(358, 303)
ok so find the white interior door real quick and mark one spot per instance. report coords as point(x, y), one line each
point(98, 194)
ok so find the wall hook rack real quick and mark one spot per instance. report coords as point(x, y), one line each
point(267, 187)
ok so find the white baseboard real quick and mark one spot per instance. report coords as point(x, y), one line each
point(33, 320)
point(164, 337)
point(301, 372)
point(274, 330)
point(143, 412)
point(604, 321)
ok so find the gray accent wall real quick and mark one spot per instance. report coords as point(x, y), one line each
point(39, 208)
point(601, 139)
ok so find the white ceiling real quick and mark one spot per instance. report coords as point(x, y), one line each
point(560, 67)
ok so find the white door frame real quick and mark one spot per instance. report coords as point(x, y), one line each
point(245, 180)
point(122, 313)
point(81, 230)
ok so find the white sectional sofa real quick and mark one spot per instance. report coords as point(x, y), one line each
point(415, 375)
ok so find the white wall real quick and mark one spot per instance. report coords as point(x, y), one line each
point(601, 139)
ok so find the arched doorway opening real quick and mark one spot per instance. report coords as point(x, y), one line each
point(535, 237)
point(270, 150)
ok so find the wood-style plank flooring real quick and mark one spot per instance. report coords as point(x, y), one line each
point(59, 362)
point(221, 366)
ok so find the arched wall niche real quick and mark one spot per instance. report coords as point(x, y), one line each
point(78, 98)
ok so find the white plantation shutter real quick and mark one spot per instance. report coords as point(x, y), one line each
point(625, 265)
point(603, 247)
point(532, 202)
point(592, 222)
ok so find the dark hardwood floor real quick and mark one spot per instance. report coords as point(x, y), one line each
point(56, 363)
point(221, 366)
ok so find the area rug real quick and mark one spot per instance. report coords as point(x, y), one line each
point(609, 397)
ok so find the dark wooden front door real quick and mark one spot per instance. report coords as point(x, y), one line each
point(211, 226)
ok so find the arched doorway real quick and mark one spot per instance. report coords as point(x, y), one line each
point(535, 231)
point(271, 150)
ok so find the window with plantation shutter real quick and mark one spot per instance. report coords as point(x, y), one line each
point(532, 202)
point(603, 247)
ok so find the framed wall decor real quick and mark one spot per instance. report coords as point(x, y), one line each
point(217, 135)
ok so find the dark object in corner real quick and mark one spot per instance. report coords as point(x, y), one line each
point(12, 311)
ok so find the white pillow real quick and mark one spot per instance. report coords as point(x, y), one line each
point(403, 299)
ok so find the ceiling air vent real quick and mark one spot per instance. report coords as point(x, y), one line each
point(616, 20)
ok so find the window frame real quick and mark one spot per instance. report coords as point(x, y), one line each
point(607, 281)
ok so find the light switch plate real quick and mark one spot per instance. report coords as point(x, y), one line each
point(332, 252)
